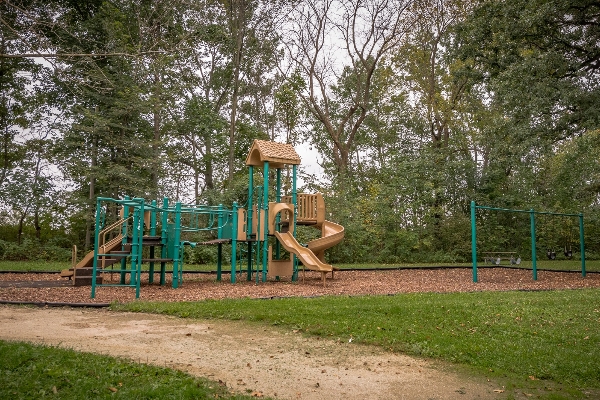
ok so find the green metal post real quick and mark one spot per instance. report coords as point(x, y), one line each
point(234, 243)
point(124, 242)
point(152, 233)
point(474, 241)
point(249, 221)
point(220, 247)
point(96, 237)
point(533, 250)
point(176, 245)
point(134, 245)
point(582, 245)
point(138, 234)
point(220, 222)
point(259, 239)
point(278, 218)
point(266, 220)
point(295, 203)
point(164, 234)
point(219, 260)
point(278, 191)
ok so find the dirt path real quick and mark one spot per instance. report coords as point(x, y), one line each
point(277, 363)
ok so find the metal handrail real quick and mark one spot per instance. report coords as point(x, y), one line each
point(102, 234)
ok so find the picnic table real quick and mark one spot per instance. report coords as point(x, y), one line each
point(496, 257)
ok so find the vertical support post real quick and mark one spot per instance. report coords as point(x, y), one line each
point(259, 239)
point(152, 233)
point(250, 205)
point(135, 244)
point(137, 240)
point(96, 241)
point(293, 221)
point(219, 260)
point(250, 260)
point(234, 243)
point(249, 221)
point(176, 245)
point(582, 245)
point(266, 220)
point(533, 250)
point(164, 232)
point(278, 217)
point(138, 274)
point(474, 241)
point(124, 242)
point(221, 221)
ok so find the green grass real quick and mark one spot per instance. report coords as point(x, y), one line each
point(26, 266)
point(55, 266)
point(40, 372)
point(550, 335)
point(591, 266)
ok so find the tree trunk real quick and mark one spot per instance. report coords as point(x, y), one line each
point(20, 230)
point(92, 195)
point(237, 25)
point(36, 224)
point(209, 172)
point(157, 120)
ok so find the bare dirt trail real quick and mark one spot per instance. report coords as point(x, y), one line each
point(268, 361)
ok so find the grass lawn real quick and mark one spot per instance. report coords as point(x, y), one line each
point(550, 336)
point(53, 266)
point(40, 372)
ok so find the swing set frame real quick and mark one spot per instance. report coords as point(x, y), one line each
point(532, 213)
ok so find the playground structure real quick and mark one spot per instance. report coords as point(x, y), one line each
point(256, 230)
point(498, 256)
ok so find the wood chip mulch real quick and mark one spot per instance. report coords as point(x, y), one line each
point(13, 287)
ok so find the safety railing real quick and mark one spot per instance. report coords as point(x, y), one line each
point(311, 207)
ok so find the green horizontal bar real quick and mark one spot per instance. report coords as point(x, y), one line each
point(526, 211)
point(117, 285)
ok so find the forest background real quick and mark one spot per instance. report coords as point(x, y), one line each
point(408, 110)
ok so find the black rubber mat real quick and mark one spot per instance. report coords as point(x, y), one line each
point(35, 284)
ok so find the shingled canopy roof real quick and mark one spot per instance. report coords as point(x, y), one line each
point(277, 154)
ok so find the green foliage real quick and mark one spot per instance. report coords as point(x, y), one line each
point(538, 58)
point(492, 101)
point(28, 371)
point(548, 335)
point(32, 250)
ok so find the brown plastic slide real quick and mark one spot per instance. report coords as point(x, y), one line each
point(331, 234)
point(306, 256)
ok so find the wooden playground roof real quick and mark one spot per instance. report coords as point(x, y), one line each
point(277, 154)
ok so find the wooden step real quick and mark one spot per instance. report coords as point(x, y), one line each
point(84, 271)
point(121, 252)
point(148, 240)
point(67, 273)
point(83, 277)
point(86, 280)
point(109, 261)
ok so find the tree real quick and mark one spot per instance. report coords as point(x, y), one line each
point(331, 40)
point(16, 77)
point(30, 189)
point(251, 29)
point(540, 61)
point(199, 147)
